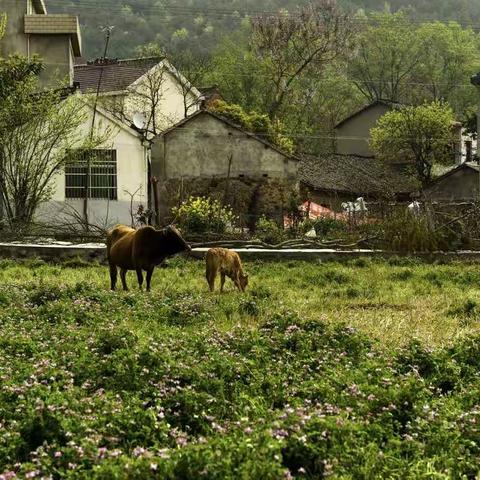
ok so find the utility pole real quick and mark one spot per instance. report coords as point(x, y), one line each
point(108, 32)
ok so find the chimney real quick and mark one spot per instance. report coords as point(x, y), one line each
point(468, 147)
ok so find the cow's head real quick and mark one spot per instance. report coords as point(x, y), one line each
point(173, 241)
point(243, 278)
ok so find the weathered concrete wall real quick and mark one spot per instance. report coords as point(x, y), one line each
point(204, 147)
point(462, 186)
point(53, 44)
point(14, 40)
point(55, 50)
point(354, 134)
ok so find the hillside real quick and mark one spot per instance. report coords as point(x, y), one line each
point(199, 24)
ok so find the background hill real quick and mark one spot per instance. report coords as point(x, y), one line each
point(199, 24)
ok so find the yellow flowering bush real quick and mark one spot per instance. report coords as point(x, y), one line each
point(202, 215)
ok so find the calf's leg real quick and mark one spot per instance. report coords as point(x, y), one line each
point(211, 276)
point(236, 281)
point(139, 277)
point(113, 276)
point(123, 274)
point(149, 278)
point(222, 281)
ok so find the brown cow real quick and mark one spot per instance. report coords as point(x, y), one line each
point(141, 249)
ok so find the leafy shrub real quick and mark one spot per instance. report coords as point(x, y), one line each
point(269, 231)
point(406, 233)
point(254, 122)
point(402, 275)
point(250, 307)
point(45, 295)
point(184, 310)
point(203, 215)
point(325, 226)
point(467, 311)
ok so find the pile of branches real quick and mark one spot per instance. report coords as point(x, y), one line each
point(299, 244)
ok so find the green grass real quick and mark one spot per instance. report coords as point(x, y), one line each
point(361, 370)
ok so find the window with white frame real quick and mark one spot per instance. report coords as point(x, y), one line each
point(98, 168)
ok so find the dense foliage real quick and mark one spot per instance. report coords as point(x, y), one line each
point(183, 384)
point(309, 68)
point(202, 215)
point(420, 135)
point(254, 122)
point(201, 23)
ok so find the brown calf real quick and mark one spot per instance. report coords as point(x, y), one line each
point(228, 263)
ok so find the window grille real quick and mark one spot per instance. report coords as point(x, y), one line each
point(103, 174)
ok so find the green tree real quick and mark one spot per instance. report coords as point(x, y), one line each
point(421, 135)
point(386, 56)
point(37, 130)
point(238, 73)
point(451, 56)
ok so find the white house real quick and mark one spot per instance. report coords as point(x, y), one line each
point(118, 177)
point(149, 86)
point(149, 89)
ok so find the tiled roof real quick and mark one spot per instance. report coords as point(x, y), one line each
point(117, 74)
point(355, 176)
point(453, 170)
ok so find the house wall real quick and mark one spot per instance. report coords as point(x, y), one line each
point(203, 147)
point(56, 52)
point(132, 177)
point(14, 40)
point(461, 186)
point(54, 49)
point(353, 136)
point(170, 108)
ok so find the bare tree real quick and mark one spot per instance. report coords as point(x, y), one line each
point(147, 96)
point(291, 44)
point(191, 73)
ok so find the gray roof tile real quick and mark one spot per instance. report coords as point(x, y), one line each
point(117, 74)
point(355, 176)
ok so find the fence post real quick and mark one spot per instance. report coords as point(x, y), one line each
point(156, 202)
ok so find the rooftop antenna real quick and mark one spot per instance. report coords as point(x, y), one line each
point(108, 31)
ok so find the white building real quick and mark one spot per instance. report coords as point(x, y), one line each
point(150, 86)
point(118, 178)
point(149, 89)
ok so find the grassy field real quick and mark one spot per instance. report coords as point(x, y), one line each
point(362, 370)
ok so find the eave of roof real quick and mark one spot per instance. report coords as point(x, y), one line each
point(231, 124)
point(116, 77)
point(55, 24)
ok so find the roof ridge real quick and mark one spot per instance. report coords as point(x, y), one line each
point(119, 61)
